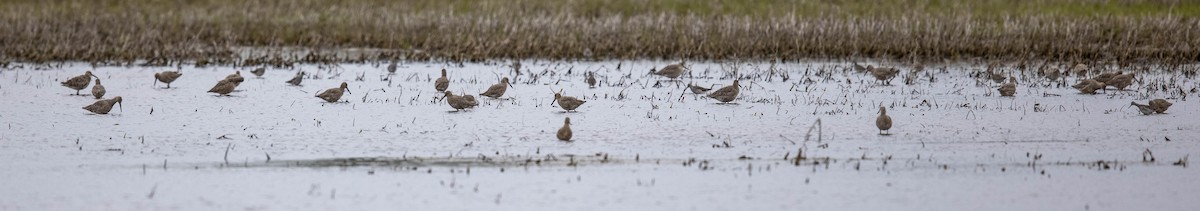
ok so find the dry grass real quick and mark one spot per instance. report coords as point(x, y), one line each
point(160, 32)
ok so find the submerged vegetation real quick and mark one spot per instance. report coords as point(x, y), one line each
point(161, 32)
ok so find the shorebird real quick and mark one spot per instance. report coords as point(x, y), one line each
point(334, 94)
point(670, 71)
point(1121, 81)
point(996, 76)
point(567, 103)
point(1010, 88)
point(883, 74)
point(223, 87)
point(236, 77)
point(726, 94)
point(1052, 73)
point(1088, 86)
point(884, 122)
point(1104, 77)
point(258, 72)
point(1080, 70)
point(1144, 109)
point(442, 83)
point(79, 82)
point(591, 79)
point(497, 90)
point(104, 106)
point(456, 102)
point(564, 133)
point(167, 77)
point(858, 67)
point(698, 89)
point(98, 90)
point(295, 81)
point(1160, 105)
point(470, 100)
point(392, 68)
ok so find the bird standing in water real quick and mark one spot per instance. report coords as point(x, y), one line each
point(883, 122)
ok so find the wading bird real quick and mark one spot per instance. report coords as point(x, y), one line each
point(564, 133)
point(167, 77)
point(79, 82)
point(334, 94)
point(497, 90)
point(103, 106)
point(726, 94)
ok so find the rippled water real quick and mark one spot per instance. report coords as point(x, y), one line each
point(640, 141)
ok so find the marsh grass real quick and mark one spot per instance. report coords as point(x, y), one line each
point(162, 32)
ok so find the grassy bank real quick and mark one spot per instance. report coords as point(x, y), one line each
point(165, 31)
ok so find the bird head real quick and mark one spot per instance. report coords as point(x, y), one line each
point(118, 100)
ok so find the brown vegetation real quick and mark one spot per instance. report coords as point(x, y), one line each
point(160, 32)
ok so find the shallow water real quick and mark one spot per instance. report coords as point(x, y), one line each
point(640, 141)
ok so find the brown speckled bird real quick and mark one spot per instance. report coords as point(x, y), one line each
point(726, 94)
point(1121, 81)
point(883, 122)
point(567, 103)
point(334, 94)
point(103, 106)
point(167, 77)
point(1160, 105)
point(79, 82)
point(98, 90)
point(295, 81)
point(565, 133)
point(442, 83)
point(1009, 89)
point(497, 90)
point(258, 72)
point(672, 71)
point(224, 87)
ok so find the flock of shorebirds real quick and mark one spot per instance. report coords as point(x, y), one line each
point(727, 94)
point(1119, 80)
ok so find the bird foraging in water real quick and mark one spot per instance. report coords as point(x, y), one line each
point(1104, 77)
point(334, 94)
point(104, 106)
point(236, 77)
point(1160, 105)
point(883, 74)
point(442, 83)
point(1010, 88)
point(697, 89)
point(470, 101)
point(258, 72)
point(98, 90)
point(224, 87)
point(564, 133)
point(295, 81)
point(1144, 109)
point(1088, 86)
point(79, 82)
point(167, 77)
point(884, 122)
point(672, 71)
point(497, 90)
point(591, 79)
point(457, 102)
point(1121, 81)
point(726, 94)
point(567, 103)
